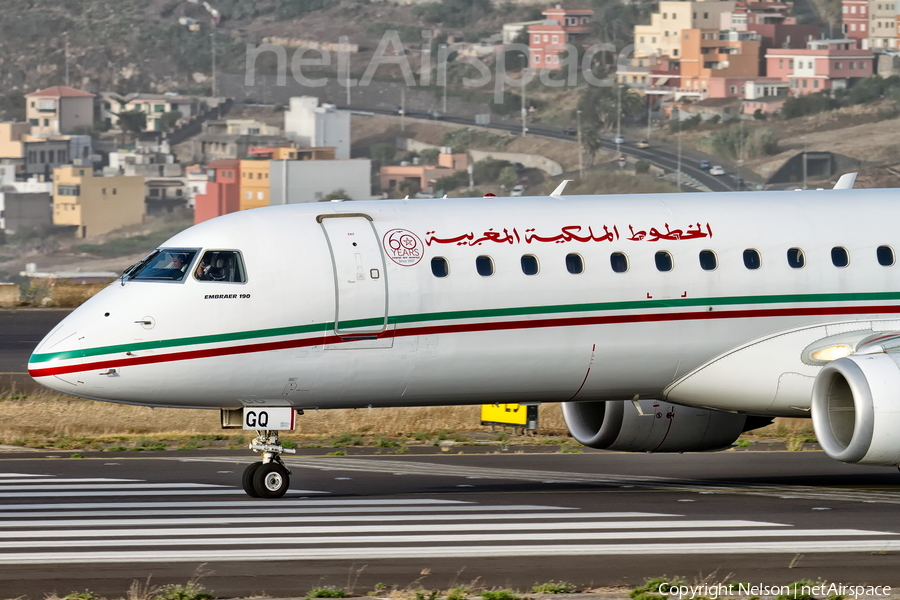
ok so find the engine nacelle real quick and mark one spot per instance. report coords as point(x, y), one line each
point(856, 409)
point(664, 427)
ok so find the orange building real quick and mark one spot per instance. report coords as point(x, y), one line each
point(222, 190)
point(561, 28)
point(708, 54)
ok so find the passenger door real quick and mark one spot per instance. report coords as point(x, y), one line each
point(361, 300)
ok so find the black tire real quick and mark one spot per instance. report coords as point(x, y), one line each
point(247, 479)
point(271, 480)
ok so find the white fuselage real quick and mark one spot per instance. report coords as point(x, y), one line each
point(348, 311)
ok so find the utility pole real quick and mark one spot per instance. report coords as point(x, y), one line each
point(215, 89)
point(580, 147)
point(803, 137)
point(618, 113)
point(402, 109)
point(524, 110)
point(348, 78)
point(679, 161)
point(443, 67)
point(649, 107)
point(67, 59)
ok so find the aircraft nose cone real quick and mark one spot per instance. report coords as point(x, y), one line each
point(59, 349)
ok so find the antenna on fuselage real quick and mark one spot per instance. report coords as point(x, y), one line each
point(559, 189)
point(845, 182)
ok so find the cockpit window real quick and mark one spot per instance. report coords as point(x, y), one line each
point(165, 264)
point(221, 265)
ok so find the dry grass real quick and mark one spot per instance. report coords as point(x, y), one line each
point(69, 423)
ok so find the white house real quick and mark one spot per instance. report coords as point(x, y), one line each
point(311, 125)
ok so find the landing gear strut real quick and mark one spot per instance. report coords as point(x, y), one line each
point(268, 478)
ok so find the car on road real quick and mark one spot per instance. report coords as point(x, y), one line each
point(517, 190)
point(716, 170)
point(619, 139)
point(434, 114)
point(519, 167)
point(570, 130)
point(643, 144)
point(705, 165)
point(400, 110)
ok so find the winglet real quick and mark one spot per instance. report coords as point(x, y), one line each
point(845, 182)
point(559, 189)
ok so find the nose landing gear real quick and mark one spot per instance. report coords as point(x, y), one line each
point(268, 478)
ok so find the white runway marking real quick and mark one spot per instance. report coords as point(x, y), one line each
point(242, 529)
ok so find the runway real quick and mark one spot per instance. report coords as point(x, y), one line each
point(442, 519)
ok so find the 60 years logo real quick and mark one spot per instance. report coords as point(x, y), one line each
point(403, 247)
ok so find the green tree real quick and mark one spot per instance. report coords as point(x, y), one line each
point(599, 106)
point(170, 119)
point(508, 177)
point(132, 121)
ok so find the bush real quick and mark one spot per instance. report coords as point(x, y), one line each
point(641, 166)
point(326, 592)
point(499, 595)
point(555, 587)
point(808, 105)
point(488, 171)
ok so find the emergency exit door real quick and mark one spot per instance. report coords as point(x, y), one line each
point(359, 275)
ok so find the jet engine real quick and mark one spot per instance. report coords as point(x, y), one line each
point(856, 409)
point(658, 426)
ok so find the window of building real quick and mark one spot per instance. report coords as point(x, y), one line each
point(796, 258)
point(618, 262)
point(885, 256)
point(546, 37)
point(484, 265)
point(159, 108)
point(695, 15)
point(537, 39)
point(862, 26)
point(68, 190)
point(34, 122)
point(537, 59)
point(248, 195)
point(840, 257)
point(43, 157)
point(708, 260)
point(530, 264)
point(555, 39)
point(674, 51)
point(852, 26)
point(780, 63)
point(837, 65)
point(752, 259)
point(791, 63)
point(223, 266)
point(852, 65)
point(663, 261)
point(665, 34)
point(46, 122)
point(440, 267)
point(260, 195)
point(642, 39)
point(114, 191)
point(653, 40)
point(803, 83)
point(153, 192)
point(706, 15)
point(862, 65)
point(574, 264)
point(815, 83)
point(665, 15)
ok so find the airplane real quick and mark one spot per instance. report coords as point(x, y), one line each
point(661, 322)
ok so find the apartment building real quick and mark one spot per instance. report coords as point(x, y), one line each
point(560, 29)
point(59, 110)
point(662, 37)
point(823, 64)
point(95, 205)
point(726, 58)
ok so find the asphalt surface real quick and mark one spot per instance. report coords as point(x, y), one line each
point(442, 519)
point(659, 155)
point(20, 331)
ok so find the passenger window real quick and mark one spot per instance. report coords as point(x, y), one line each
point(840, 257)
point(165, 264)
point(795, 258)
point(752, 260)
point(618, 262)
point(708, 260)
point(530, 264)
point(440, 267)
point(485, 266)
point(885, 256)
point(574, 264)
point(663, 261)
point(224, 266)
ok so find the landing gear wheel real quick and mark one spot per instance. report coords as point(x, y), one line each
point(271, 480)
point(247, 479)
